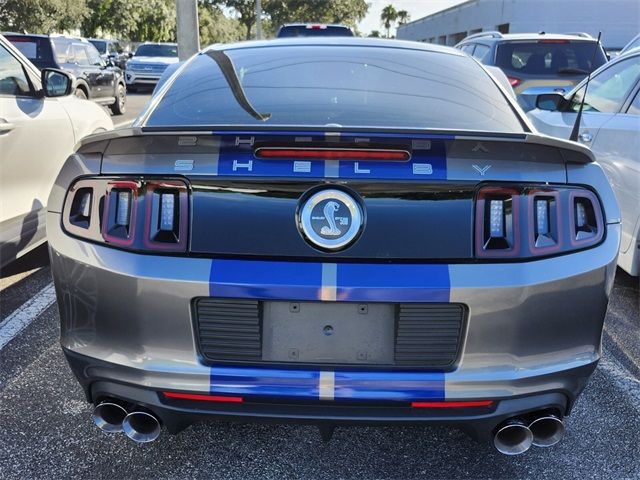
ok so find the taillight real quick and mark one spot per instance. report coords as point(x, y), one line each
point(513, 81)
point(529, 221)
point(134, 214)
point(332, 154)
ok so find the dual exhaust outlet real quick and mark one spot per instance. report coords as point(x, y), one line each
point(515, 436)
point(140, 426)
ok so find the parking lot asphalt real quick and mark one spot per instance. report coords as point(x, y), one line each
point(135, 104)
point(46, 430)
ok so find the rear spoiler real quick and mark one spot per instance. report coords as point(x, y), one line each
point(571, 152)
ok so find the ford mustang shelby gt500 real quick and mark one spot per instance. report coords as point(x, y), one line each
point(333, 231)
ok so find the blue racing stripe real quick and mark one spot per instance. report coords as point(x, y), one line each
point(305, 384)
point(355, 282)
point(396, 386)
point(265, 280)
point(393, 283)
point(428, 160)
point(265, 382)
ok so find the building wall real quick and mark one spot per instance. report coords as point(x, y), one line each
point(619, 20)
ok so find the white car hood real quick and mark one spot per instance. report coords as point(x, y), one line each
point(165, 60)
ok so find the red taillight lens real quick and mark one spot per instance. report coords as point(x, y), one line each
point(513, 81)
point(527, 221)
point(453, 404)
point(202, 397)
point(120, 212)
point(332, 154)
point(129, 213)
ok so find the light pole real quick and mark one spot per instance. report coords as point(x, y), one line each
point(187, 26)
point(258, 20)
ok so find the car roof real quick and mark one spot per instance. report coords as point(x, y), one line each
point(500, 37)
point(337, 41)
point(315, 23)
point(159, 43)
point(18, 34)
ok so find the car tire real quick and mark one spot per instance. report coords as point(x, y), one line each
point(80, 93)
point(120, 105)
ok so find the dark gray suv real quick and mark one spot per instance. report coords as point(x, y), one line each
point(537, 63)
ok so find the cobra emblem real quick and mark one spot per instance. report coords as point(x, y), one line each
point(332, 229)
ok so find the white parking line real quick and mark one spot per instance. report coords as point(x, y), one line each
point(25, 314)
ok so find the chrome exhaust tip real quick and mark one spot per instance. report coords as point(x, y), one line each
point(141, 427)
point(513, 437)
point(547, 430)
point(108, 416)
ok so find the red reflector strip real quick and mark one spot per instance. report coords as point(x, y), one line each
point(202, 397)
point(332, 154)
point(474, 403)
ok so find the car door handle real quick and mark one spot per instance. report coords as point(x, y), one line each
point(585, 137)
point(5, 126)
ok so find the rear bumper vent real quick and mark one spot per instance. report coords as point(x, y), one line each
point(229, 329)
point(425, 335)
point(428, 334)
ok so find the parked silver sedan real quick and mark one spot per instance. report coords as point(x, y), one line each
point(611, 127)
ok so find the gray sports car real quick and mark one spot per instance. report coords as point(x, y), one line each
point(333, 231)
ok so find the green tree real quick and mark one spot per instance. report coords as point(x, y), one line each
point(388, 17)
point(215, 27)
point(374, 34)
point(42, 16)
point(403, 17)
point(348, 12)
point(246, 10)
point(100, 17)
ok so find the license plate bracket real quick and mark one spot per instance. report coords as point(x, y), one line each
point(335, 333)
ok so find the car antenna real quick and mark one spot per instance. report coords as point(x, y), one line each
point(576, 125)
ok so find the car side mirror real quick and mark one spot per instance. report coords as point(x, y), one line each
point(130, 54)
point(56, 83)
point(549, 101)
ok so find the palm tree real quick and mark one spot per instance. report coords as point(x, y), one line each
point(388, 16)
point(403, 17)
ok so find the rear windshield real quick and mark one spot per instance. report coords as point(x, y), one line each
point(36, 49)
point(157, 51)
point(314, 31)
point(101, 45)
point(549, 57)
point(335, 86)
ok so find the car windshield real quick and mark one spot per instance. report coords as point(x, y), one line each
point(153, 50)
point(314, 31)
point(549, 57)
point(36, 49)
point(343, 86)
point(101, 45)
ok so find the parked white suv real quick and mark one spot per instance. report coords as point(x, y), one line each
point(148, 63)
point(40, 122)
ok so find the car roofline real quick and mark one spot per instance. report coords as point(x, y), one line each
point(336, 42)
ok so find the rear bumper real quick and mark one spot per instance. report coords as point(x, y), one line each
point(533, 329)
point(141, 78)
point(176, 415)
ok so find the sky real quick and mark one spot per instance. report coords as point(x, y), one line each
point(416, 8)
